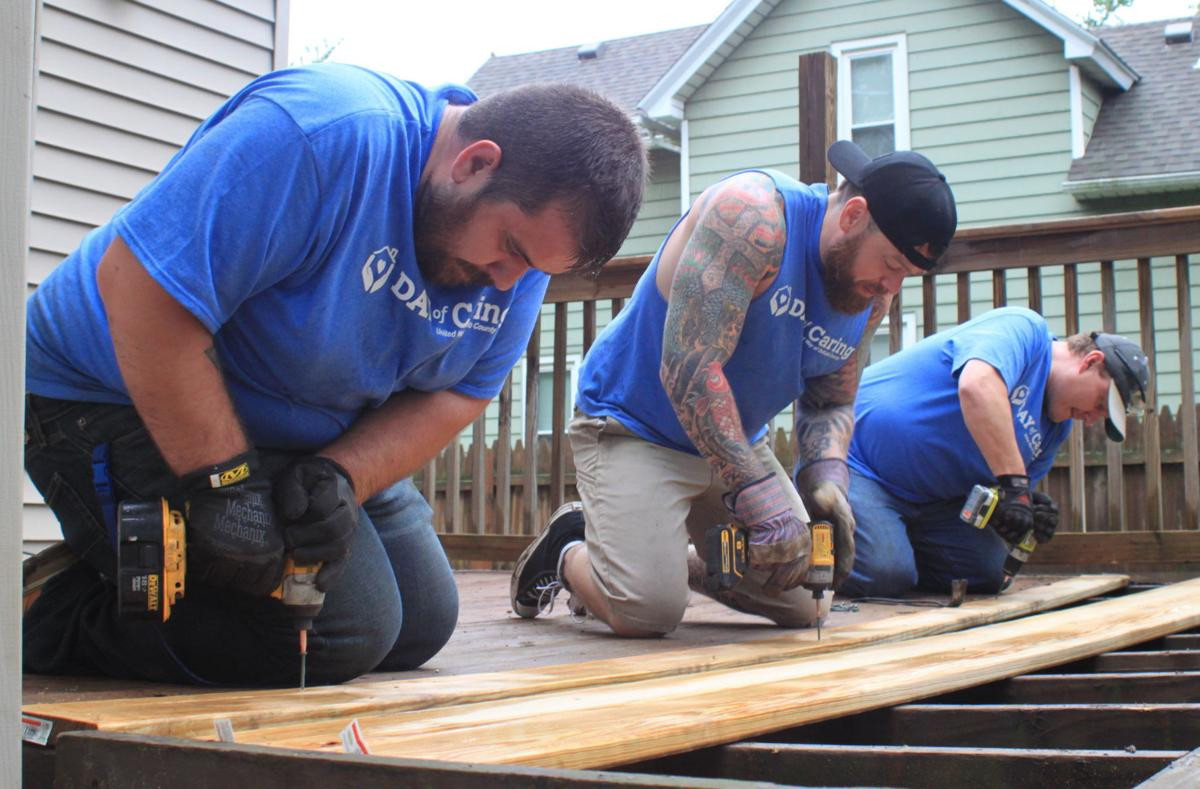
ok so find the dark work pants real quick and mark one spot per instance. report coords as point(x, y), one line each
point(393, 608)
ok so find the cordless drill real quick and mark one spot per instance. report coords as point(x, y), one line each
point(977, 511)
point(727, 551)
point(152, 565)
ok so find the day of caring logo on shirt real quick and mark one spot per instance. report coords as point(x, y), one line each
point(783, 304)
point(1028, 423)
point(378, 268)
point(451, 320)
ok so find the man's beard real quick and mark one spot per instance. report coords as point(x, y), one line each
point(437, 220)
point(838, 277)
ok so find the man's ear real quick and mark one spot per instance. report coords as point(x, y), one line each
point(479, 158)
point(854, 215)
point(1092, 359)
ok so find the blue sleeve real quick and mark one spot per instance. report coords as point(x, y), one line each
point(1009, 343)
point(489, 373)
point(234, 213)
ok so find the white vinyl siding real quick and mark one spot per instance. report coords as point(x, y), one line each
point(120, 86)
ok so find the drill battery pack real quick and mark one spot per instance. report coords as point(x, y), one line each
point(151, 559)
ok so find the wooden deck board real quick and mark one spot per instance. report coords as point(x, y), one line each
point(601, 726)
point(416, 690)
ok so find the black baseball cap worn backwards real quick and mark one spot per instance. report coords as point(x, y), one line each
point(907, 196)
point(1129, 370)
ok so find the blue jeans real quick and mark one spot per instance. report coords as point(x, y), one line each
point(393, 608)
point(901, 546)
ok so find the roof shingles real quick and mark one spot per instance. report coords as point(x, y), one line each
point(1151, 129)
point(624, 71)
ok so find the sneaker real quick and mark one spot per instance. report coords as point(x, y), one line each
point(535, 581)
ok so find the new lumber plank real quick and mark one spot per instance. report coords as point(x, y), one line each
point(602, 726)
point(1183, 773)
point(193, 715)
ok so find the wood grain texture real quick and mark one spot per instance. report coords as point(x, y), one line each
point(604, 726)
point(192, 716)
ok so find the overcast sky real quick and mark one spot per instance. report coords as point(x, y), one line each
point(434, 41)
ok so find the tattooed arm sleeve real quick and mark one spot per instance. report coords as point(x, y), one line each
point(825, 412)
point(737, 242)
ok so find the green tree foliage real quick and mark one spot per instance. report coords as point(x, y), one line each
point(1102, 10)
point(318, 52)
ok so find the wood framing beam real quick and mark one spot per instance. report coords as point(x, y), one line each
point(86, 760)
point(592, 727)
point(1162, 726)
point(193, 716)
point(1117, 688)
point(857, 765)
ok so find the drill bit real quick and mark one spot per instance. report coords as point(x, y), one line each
point(303, 655)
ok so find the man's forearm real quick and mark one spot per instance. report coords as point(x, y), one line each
point(169, 365)
point(709, 415)
point(987, 413)
point(393, 441)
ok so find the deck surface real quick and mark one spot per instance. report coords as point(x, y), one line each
point(489, 637)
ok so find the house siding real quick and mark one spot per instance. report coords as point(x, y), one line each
point(660, 206)
point(1092, 97)
point(988, 94)
point(119, 86)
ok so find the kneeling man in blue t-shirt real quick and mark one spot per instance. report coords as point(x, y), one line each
point(329, 280)
point(989, 403)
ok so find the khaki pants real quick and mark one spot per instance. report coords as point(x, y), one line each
point(641, 503)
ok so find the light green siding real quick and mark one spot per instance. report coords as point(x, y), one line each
point(988, 94)
point(1092, 99)
point(660, 206)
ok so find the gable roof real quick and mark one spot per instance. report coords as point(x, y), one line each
point(624, 69)
point(1145, 139)
point(677, 63)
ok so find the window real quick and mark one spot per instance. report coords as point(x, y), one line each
point(873, 93)
point(881, 342)
point(545, 416)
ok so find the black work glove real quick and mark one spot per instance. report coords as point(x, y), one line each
point(315, 496)
point(1045, 517)
point(1013, 517)
point(233, 539)
point(822, 485)
point(778, 540)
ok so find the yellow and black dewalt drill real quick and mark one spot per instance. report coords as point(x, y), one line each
point(152, 566)
point(728, 558)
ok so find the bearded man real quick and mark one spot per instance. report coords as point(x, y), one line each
point(330, 280)
point(766, 292)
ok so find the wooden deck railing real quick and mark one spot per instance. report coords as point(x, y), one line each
point(1152, 481)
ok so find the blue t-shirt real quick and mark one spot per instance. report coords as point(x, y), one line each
point(909, 433)
point(284, 225)
point(791, 333)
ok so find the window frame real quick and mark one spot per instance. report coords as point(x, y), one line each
point(848, 51)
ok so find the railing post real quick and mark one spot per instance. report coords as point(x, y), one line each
point(533, 370)
point(818, 117)
point(1187, 408)
point(1152, 443)
point(1113, 453)
point(1077, 473)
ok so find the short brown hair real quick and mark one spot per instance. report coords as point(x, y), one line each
point(562, 142)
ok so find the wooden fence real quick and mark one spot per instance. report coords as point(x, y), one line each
point(1150, 482)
